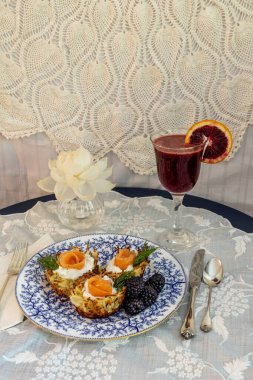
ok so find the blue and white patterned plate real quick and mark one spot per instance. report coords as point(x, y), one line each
point(47, 310)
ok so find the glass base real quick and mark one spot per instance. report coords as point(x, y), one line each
point(178, 241)
point(79, 215)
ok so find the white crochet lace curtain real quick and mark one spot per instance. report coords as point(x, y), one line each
point(108, 73)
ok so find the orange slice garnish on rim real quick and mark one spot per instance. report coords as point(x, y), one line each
point(218, 139)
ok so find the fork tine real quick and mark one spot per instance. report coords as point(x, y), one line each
point(17, 261)
point(19, 255)
point(14, 256)
point(24, 256)
point(19, 258)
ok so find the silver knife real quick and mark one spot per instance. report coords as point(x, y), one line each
point(197, 266)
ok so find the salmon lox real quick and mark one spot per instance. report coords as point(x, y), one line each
point(72, 259)
point(124, 258)
point(99, 287)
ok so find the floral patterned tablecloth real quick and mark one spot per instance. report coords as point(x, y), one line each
point(30, 353)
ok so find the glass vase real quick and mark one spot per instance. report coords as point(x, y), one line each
point(80, 215)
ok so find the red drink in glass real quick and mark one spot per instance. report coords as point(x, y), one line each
point(178, 165)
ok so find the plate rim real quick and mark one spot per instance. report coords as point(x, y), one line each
point(105, 338)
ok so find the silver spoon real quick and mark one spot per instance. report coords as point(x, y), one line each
point(212, 276)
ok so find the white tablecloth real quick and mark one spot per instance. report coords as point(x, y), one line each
point(28, 352)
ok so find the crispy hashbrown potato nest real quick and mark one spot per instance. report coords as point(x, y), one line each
point(137, 271)
point(97, 307)
point(63, 286)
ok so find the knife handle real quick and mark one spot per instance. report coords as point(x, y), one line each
point(188, 327)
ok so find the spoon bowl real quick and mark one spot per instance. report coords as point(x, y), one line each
point(213, 272)
point(212, 276)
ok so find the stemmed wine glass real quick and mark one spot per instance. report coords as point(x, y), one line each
point(178, 166)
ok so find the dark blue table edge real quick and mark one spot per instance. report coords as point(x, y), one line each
point(237, 218)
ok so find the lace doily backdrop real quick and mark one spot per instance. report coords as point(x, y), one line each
point(108, 73)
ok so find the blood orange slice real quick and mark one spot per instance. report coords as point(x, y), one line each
point(218, 139)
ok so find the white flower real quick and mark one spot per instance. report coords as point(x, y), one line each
point(73, 174)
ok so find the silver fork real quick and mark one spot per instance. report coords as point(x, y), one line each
point(17, 261)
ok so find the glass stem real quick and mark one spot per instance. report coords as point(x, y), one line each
point(177, 202)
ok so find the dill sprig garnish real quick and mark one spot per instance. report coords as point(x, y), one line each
point(119, 283)
point(143, 254)
point(49, 262)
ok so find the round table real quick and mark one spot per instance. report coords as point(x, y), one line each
point(237, 218)
point(32, 353)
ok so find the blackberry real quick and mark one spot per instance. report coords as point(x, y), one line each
point(135, 286)
point(157, 281)
point(148, 295)
point(133, 306)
